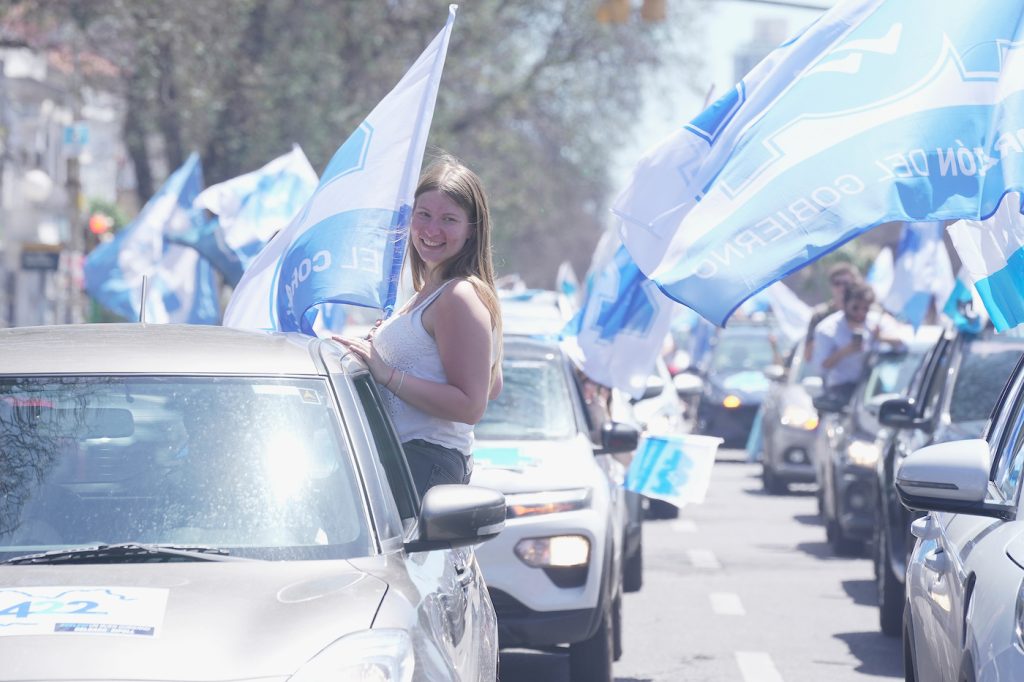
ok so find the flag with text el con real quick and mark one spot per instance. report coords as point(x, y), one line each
point(347, 243)
point(248, 210)
point(879, 111)
point(180, 284)
point(992, 253)
point(619, 331)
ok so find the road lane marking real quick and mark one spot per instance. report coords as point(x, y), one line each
point(684, 526)
point(726, 604)
point(703, 558)
point(757, 666)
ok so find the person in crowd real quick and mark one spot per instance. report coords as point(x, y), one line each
point(840, 276)
point(843, 340)
point(438, 358)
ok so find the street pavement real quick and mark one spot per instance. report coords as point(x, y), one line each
point(742, 588)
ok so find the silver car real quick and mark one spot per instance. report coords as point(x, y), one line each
point(789, 424)
point(964, 614)
point(201, 503)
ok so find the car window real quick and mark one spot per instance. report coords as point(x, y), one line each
point(741, 352)
point(891, 374)
point(936, 381)
point(1006, 437)
point(389, 450)
point(980, 378)
point(257, 465)
point(534, 403)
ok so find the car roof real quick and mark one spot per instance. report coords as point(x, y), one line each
point(134, 348)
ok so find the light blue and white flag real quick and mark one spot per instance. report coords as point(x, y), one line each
point(791, 314)
point(964, 307)
point(248, 210)
point(618, 333)
point(992, 253)
point(180, 283)
point(566, 282)
point(922, 273)
point(881, 273)
point(348, 242)
point(674, 468)
point(881, 110)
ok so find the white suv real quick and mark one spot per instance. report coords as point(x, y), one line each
point(555, 572)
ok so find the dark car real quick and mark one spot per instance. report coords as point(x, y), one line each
point(734, 383)
point(850, 440)
point(204, 503)
point(950, 398)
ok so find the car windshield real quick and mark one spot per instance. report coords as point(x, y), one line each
point(741, 352)
point(983, 371)
point(534, 404)
point(892, 374)
point(258, 466)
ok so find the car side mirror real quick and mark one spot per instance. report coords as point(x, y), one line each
point(950, 477)
point(617, 437)
point(828, 403)
point(458, 515)
point(899, 413)
point(813, 385)
point(874, 404)
point(775, 372)
point(688, 385)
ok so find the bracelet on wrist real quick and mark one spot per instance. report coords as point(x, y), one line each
point(387, 384)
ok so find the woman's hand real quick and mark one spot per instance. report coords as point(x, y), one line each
point(364, 348)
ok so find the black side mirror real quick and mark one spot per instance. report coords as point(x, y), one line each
point(618, 437)
point(899, 413)
point(828, 403)
point(458, 515)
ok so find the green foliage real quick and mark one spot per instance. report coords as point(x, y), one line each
point(537, 96)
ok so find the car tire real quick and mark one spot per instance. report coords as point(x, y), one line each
point(659, 509)
point(841, 545)
point(909, 671)
point(773, 485)
point(591, 659)
point(633, 570)
point(617, 628)
point(891, 593)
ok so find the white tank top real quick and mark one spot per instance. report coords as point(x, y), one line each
point(404, 344)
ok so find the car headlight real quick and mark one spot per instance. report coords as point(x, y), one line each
point(556, 551)
point(799, 418)
point(731, 401)
point(862, 453)
point(547, 502)
point(384, 655)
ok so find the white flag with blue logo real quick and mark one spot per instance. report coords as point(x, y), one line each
point(992, 253)
point(248, 210)
point(964, 307)
point(674, 468)
point(880, 111)
point(566, 282)
point(620, 329)
point(922, 273)
point(348, 242)
point(791, 314)
point(181, 286)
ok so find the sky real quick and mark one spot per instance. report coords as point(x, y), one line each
point(728, 27)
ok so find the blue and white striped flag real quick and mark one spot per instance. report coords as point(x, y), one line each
point(922, 273)
point(181, 286)
point(348, 242)
point(248, 210)
point(620, 328)
point(881, 110)
point(992, 253)
point(962, 298)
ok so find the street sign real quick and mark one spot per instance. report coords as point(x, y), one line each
point(40, 256)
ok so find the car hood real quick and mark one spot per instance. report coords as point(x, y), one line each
point(205, 620)
point(520, 466)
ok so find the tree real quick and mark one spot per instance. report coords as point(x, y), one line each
point(536, 94)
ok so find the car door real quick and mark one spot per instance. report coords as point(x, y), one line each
point(451, 589)
point(965, 543)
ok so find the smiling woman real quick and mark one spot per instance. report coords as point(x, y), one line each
point(439, 357)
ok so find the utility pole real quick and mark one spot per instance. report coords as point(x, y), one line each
point(76, 237)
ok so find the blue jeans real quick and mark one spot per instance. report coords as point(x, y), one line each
point(432, 464)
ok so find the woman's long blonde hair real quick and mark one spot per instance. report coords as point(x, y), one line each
point(474, 262)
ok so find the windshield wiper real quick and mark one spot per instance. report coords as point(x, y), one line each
point(128, 552)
